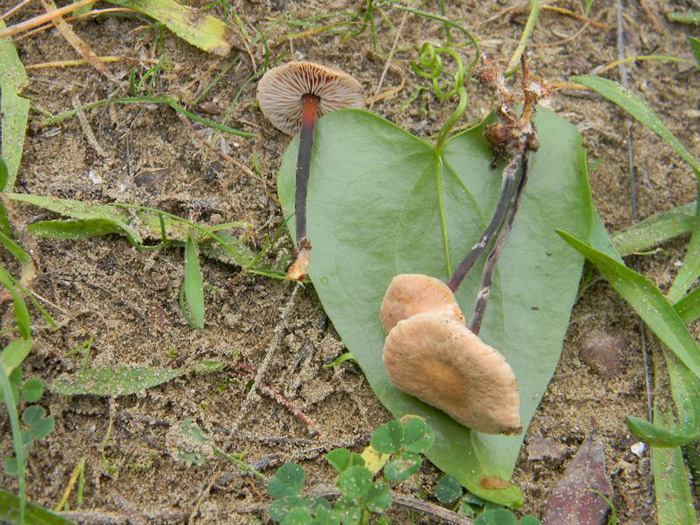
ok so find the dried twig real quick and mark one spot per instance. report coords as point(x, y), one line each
point(445, 515)
point(388, 60)
point(272, 348)
point(42, 19)
point(91, 14)
point(128, 508)
point(70, 63)
point(14, 9)
point(270, 392)
point(220, 153)
point(487, 275)
point(77, 43)
point(87, 130)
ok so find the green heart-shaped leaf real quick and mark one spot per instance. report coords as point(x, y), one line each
point(383, 202)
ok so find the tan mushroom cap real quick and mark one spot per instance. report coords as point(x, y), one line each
point(281, 88)
point(411, 293)
point(441, 362)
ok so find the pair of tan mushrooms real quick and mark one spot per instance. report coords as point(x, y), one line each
point(429, 352)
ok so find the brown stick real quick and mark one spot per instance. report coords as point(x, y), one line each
point(42, 19)
point(77, 43)
point(446, 515)
point(277, 337)
point(484, 293)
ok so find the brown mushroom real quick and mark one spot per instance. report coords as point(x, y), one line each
point(410, 294)
point(293, 96)
point(441, 362)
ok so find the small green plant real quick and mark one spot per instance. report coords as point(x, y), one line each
point(667, 315)
point(359, 495)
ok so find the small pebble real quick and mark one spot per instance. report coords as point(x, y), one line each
point(604, 353)
point(638, 449)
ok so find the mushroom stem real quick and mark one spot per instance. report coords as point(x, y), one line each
point(482, 297)
point(506, 195)
point(309, 110)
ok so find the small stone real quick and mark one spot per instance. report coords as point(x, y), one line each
point(539, 448)
point(604, 353)
point(638, 449)
point(149, 179)
point(210, 108)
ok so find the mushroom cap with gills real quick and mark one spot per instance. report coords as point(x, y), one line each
point(442, 363)
point(281, 88)
point(411, 293)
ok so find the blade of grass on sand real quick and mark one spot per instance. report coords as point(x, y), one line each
point(116, 381)
point(5, 226)
point(192, 25)
point(689, 307)
point(15, 109)
point(9, 399)
point(10, 510)
point(655, 230)
point(21, 312)
point(77, 43)
point(685, 388)
point(695, 48)
point(14, 354)
point(647, 301)
point(674, 502)
point(124, 380)
point(690, 271)
point(193, 287)
point(638, 108)
point(84, 229)
point(133, 221)
point(691, 17)
point(527, 33)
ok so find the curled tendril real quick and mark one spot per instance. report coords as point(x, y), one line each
point(431, 67)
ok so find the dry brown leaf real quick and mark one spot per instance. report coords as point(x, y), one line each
point(573, 502)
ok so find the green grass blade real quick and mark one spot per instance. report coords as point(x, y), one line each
point(589, 5)
point(192, 25)
point(14, 354)
point(193, 286)
point(689, 307)
point(690, 270)
point(35, 515)
point(692, 459)
point(4, 173)
point(56, 119)
point(695, 48)
point(84, 229)
point(659, 436)
point(674, 502)
point(691, 17)
point(655, 230)
point(647, 301)
point(15, 249)
point(4, 221)
point(15, 109)
point(116, 381)
point(685, 389)
point(87, 211)
point(9, 399)
point(21, 312)
point(637, 108)
point(527, 32)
